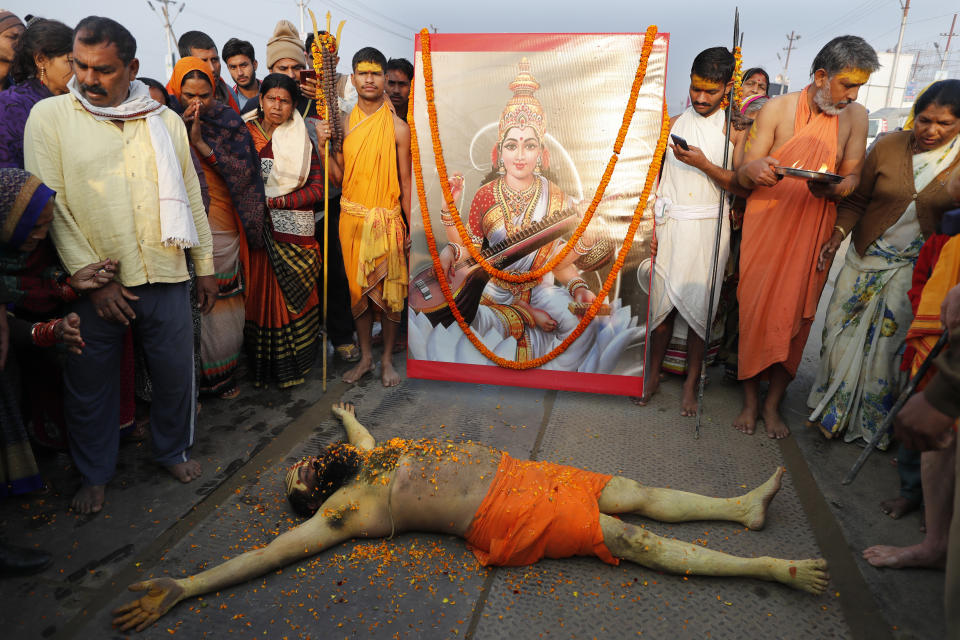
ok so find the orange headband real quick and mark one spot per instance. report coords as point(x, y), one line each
point(703, 83)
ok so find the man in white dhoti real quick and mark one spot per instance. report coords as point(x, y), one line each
point(686, 215)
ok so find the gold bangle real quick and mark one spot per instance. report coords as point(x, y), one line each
point(843, 233)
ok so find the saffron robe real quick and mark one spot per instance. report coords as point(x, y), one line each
point(372, 231)
point(784, 227)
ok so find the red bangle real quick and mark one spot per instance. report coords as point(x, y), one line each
point(43, 334)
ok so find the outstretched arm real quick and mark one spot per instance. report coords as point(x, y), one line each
point(357, 434)
point(162, 594)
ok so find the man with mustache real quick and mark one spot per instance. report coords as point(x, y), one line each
point(126, 189)
point(374, 211)
point(790, 234)
point(686, 212)
point(399, 77)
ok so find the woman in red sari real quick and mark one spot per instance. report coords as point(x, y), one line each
point(283, 320)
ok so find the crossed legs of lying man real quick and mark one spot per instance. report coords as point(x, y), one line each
point(365, 490)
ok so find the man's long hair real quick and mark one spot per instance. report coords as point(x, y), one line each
point(335, 467)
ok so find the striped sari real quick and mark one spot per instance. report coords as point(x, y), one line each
point(282, 313)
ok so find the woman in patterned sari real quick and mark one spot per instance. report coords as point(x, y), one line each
point(230, 166)
point(283, 319)
point(901, 197)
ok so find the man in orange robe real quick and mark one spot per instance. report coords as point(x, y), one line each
point(374, 211)
point(789, 230)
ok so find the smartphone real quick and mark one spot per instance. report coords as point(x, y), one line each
point(680, 142)
point(307, 73)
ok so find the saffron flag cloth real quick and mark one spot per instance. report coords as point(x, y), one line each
point(784, 227)
point(371, 223)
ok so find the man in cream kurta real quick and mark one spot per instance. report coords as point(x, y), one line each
point(686, 215)
point(126, 190)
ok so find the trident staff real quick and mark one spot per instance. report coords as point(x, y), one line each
point(737, 41)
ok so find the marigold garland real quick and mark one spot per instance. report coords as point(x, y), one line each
point(738, 78)
point(551, 264)
point(594, 307)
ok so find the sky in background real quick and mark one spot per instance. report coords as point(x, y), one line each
point(390, 26)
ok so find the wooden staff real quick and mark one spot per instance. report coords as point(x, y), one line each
point(323, 110)
point(737, 40)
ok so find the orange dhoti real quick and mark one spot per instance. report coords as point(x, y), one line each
point(784, 227)
point(372, 233)
point(537, 510)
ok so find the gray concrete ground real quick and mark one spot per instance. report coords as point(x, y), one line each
point(430, 586)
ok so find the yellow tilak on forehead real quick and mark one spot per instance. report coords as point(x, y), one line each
point(854, 76)
point(369, 67)
point(699, 82)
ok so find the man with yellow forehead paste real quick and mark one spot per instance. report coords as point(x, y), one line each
point(790, 233)
point(686, 210)
point(511, 513)
point(374, 211)
point(515, 196)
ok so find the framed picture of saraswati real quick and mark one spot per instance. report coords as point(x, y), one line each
point(535, 161)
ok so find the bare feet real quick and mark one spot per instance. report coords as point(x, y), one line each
point(776, 428)
point(359, 370)
point(688, 399)
point(746, 422)
point(807, 575)
point(342, 409)
point(898, 507)
point(756, 502)
point(185, 471)
point(644, 400)
point(389, 375)
point(89, 499)
point(921, 555)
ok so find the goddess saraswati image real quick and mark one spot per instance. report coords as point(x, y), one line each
point(519, 219)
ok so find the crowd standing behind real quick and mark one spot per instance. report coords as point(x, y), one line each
point(205, 219)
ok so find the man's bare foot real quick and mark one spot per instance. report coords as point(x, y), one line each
point(342, 409)
point(898, 507)
point(919, 556)
point(807, 575)
point(359, 370)
point(89, 499)
point(746, 422)
point(389, 375)
point(756, 502)
point(776, 427)
point(688, 399)
point(185, 471)
point(645, 399)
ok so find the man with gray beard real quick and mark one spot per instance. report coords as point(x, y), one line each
point(790, 235)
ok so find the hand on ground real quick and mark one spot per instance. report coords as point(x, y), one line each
point(162, 594)
point(342, 409)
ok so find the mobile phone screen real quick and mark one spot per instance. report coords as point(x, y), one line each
point(680, 142)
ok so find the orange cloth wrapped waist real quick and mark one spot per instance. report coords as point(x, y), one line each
point(381, 238)
point(537, 510)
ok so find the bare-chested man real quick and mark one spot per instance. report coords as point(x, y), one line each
point(511, 512)
point(789, 229)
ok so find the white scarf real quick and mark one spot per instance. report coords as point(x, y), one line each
point(291, 157)
point(176, 216)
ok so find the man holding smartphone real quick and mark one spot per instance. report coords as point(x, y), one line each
point(686, 216)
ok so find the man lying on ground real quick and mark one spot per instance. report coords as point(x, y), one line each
point(511, 512)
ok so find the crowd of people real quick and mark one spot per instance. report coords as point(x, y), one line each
point(206, 202)
point(185, 223)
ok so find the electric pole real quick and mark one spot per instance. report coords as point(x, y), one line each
point(784, 80)
point(303, 7)
point(942, 73)
point(896, 55)
point(164, 15)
